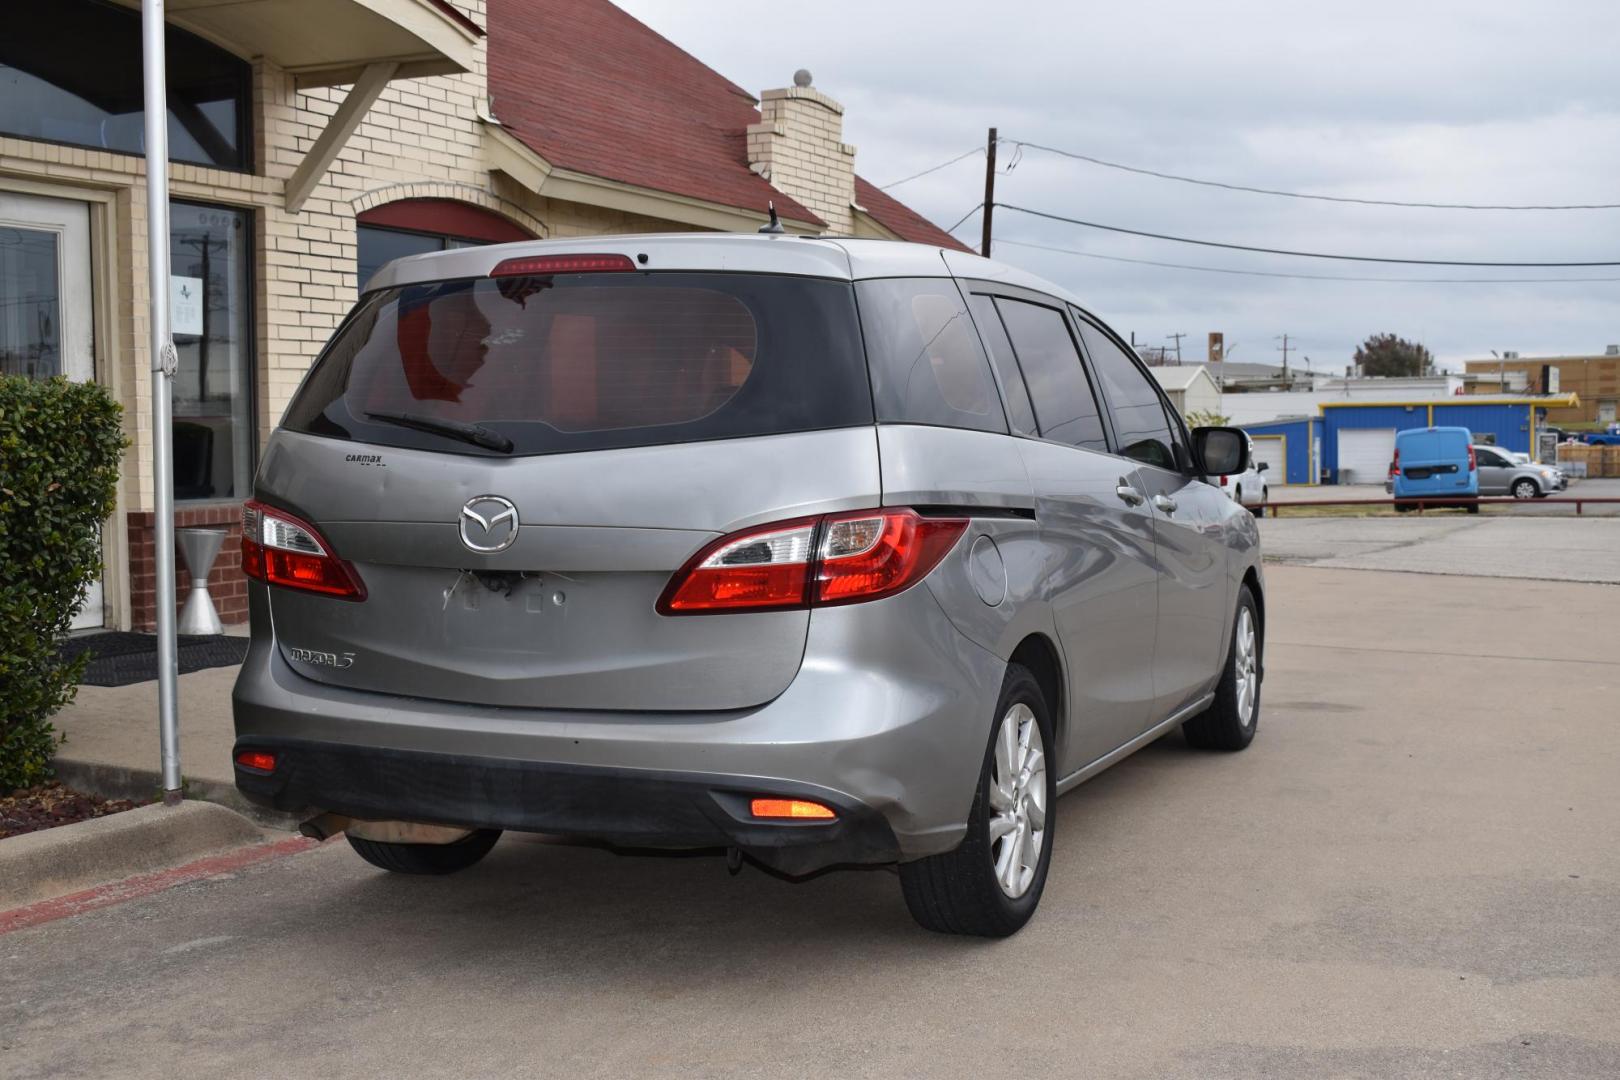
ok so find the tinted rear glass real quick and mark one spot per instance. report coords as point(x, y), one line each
point(593, 361)
point(927, 364)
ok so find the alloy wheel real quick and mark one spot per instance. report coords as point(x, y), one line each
point(1018, 799)
point(1245, 666)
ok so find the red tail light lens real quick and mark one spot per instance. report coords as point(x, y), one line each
point(837, 559)
point(867, 557)
point(536, 265)
point(280, 549)
point(1395, 464)
point(763, 569)
point(1225, 479)
point(1473, 461)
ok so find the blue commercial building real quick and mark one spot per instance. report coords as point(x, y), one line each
point(1291, 446)
point(1358, 437)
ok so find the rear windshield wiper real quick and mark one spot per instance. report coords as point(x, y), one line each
point(477, 434)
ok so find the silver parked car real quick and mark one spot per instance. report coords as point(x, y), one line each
point(1501, 474)
point(820, 551)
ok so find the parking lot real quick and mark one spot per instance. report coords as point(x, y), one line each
point(1411, 873)
point(1452, 542)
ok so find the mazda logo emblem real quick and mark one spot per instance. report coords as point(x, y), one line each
point(489, 524)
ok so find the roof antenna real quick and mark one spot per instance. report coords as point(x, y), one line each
point(775, 224)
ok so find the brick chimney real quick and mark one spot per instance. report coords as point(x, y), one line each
point(798, 146)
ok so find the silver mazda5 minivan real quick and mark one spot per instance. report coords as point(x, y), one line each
point(822, 551)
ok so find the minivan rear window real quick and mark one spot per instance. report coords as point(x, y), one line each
point(573, 362)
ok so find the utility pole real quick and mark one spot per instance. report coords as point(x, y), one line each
point(1284, 349)
point(1177, 339)
point(989, 191)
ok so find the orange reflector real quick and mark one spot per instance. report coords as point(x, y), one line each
point(263, 760)
point(790, 808)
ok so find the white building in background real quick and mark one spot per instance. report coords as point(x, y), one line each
point(1257, 406)
point(1190, 388)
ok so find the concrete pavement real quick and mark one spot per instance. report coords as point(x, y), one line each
point(1597, 487)
point(1412, 873)
point(1449, 542)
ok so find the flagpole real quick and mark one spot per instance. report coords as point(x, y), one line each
point(163, 365)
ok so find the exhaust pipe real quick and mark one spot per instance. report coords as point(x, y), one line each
point(327, 825)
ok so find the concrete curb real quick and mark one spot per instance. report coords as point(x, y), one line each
point(122, 782)
point(68, 858)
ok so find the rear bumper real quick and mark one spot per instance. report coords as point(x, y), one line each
point(620, 806)
point(886, 721)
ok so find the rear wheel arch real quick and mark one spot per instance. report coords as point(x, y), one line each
point(1037, 653)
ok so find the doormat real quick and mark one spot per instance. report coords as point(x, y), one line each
point(121, 658)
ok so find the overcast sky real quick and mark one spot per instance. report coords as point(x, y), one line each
point(1476, 102)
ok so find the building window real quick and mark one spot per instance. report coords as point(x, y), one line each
point(70, 72)
point(416, 226)
point(211, 318)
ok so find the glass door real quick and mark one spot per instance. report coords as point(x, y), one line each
point(45, 312)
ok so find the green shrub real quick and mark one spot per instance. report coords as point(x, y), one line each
point(59, 447)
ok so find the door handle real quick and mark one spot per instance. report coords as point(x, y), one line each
point(1131, 496)
point(1165, 503)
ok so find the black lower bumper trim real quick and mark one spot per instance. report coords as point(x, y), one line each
point(628, 807)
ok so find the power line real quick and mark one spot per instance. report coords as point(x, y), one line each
point(964, 217)
point(1297, 254)
point(1303, 277)
point(935, 168)
point(1307, 195)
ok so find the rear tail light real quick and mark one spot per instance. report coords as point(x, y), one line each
point(538, 265)
point(1473, 461)
point(1225, 479)
point(1395, 464)
point(280, 549)
point(812, 562)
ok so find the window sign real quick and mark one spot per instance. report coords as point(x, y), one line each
point(185, 305)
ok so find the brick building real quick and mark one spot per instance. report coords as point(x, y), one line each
point(1594, 380)
point(306, 154)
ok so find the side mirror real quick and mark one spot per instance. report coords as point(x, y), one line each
point(1220, 451)
point(1263, 466)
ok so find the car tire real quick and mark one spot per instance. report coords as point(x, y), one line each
point(1237, 496)
point(426, 858)
point(1232, 719)
point(1473, 508)
point(961, 891)
point(1526, 488)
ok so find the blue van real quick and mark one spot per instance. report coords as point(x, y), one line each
point(1435, 463)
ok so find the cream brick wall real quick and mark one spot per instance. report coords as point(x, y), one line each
point(798, 145)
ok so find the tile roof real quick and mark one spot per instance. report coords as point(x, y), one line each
point(593, 90)
point(901, 219)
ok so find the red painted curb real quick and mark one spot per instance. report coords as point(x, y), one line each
point(116, 892)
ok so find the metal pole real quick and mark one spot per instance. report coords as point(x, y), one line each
point(989, 192)
point(163, 365)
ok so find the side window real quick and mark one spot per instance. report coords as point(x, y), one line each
point(1064, 405)
point(1489, 459)
point(1015, 395)
point(1134, 404)
point(926, 362)
point(1180, 446)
